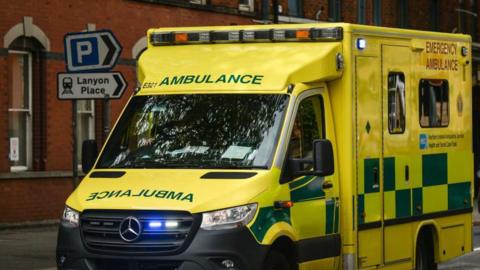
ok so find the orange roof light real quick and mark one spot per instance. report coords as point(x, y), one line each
point(303, 34)
point(181, 37)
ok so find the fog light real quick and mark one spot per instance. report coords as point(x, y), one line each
point(228, 264)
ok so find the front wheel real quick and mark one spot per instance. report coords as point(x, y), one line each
point(276, 261)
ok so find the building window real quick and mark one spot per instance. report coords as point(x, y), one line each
point(361, 12)
point(334, 10)
point(403, 13)
point(396, 103)
point(435, 8)
point(85, 124)
point(377, 12)
point(246, 5)
point(434, 103)
point(295, 8)
point(19, 110)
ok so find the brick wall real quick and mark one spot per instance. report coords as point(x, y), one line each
point(310, 8)
point(129, 20)
point(225, 3)
point(420, 17)
point(33, 199)
point(25, 199)
point(349, 11)
point(390, 13)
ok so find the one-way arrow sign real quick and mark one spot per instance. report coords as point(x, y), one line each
point(90, 85)
point(90, 51)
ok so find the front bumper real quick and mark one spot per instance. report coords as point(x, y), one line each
point(206, 252)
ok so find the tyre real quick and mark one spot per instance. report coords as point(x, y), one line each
point(276, 261)
point(424, 258)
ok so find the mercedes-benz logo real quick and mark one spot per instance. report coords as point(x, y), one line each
point(130, 229)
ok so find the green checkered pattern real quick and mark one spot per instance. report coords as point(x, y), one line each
point(433, 190)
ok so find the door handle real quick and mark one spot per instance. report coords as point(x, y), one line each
point(375, 178)
point(407, 173)
point(327, 185)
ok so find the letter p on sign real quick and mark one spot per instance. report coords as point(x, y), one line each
point(85, 51)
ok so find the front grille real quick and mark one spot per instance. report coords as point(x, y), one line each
point(101, 232)
point(105, 264)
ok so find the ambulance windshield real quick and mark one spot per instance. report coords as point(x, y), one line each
point(226, 131)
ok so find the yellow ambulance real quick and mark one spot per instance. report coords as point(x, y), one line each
point(282, 147)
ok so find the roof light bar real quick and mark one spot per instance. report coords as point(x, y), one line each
point(269, 35)
point(225, 36)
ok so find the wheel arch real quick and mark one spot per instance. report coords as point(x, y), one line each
point(287, 247)
point(430, 229)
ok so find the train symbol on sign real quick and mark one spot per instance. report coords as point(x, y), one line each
point(67, 83)
point(91, 51)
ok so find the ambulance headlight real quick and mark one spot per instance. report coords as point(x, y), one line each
point(230, 218)
point(70, 217)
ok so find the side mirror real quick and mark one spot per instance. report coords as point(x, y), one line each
point(89, 154)
point(323, 163)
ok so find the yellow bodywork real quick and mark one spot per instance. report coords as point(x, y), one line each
point(374, 228)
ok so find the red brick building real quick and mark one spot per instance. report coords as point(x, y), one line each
point(36, 128)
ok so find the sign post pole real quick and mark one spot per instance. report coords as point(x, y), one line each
point(74, 142)
point(106, 116)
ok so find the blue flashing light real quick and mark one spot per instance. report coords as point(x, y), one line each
point(155, 224)
point(361, 43)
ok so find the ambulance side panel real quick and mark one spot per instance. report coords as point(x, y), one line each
point(414, 163)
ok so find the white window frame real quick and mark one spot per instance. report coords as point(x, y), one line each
point(198, 2)
point(247, 7)
point(91, 124)
point(28, 134)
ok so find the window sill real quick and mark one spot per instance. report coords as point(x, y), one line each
point(290, 19)
point(219, 9)
point(38, 175)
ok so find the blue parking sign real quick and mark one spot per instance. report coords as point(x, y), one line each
point(84, 51)
point(91, 51)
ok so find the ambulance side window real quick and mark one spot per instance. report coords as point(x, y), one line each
point(434, 103)
point(396, 103)
point(308, 126)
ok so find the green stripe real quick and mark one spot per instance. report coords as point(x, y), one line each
point(330, 207)
point(361, 208)
point(311, 191)
point(402, 203)
point(389, 174)
point(434, 169)
point(369, 176)
point(267, 216)
point(459, 196)
point(300, 182)
point(417, 202)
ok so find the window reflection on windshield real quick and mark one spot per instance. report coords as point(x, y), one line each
point(196, 131)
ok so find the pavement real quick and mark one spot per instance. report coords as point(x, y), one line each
point(28, 248)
